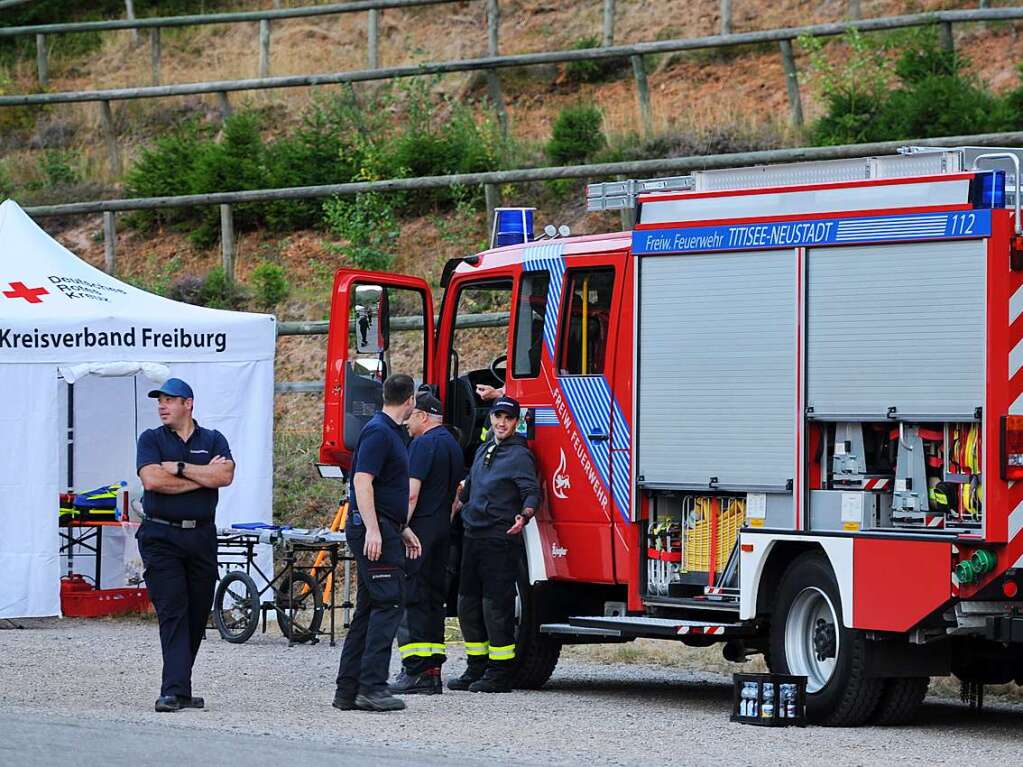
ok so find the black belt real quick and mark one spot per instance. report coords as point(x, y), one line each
point(186, 524)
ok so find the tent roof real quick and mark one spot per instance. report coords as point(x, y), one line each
point(56, 307)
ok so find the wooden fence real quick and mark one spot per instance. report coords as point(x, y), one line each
point(636, 53)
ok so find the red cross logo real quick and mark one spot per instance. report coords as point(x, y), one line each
point(20, 290)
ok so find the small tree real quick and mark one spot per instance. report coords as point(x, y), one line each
point(576, 134)
point(271, 285)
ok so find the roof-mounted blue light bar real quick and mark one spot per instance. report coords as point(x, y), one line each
point(512, 226)
point(988, 189)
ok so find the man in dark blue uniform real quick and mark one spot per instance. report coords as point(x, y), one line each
point(499, 499)
point(181, 466)
point(379, 541)
point(436, 468)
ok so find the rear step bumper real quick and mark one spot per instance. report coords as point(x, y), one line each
point(629, 627)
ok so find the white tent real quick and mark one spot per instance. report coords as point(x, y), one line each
point(63, 320)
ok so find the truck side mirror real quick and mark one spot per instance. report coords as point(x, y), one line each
point(370, 319)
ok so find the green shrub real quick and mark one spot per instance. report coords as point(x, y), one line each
point(166, 169)
point(57, 168)
point(594, 70)
point(853, 91)
point(218, 292)
point(368, 225)
point(576, 134)
point(271, 286)
point(934, 95)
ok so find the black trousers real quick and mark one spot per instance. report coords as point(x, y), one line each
point(180, 573)
point(366, 655)
point(486, 603)
point(421, 634)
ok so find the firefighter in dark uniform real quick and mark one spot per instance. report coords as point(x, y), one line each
point(436, 467)
point(181, 465)
point(379, 541)
point(499, 499)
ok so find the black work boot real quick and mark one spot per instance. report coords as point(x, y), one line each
point(378, 700)
point(343, 701)
point(168, 703)
point(414, 684)
point(463, 682)
point(492, 683)
point(187, 701)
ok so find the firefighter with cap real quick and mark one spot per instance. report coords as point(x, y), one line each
point(182, 465)
point(498, 499)
point(436, 468)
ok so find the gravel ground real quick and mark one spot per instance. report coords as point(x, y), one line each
point(590, 711)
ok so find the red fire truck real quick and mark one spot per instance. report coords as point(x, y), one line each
point(783, 413)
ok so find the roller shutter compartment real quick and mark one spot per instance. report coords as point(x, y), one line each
point(896, 326)
point(717, 370)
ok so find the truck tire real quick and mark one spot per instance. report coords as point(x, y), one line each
point(536, 655)
point(900, 700)
point(808, 639)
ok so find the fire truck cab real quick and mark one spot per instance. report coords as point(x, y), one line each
point(783, 413)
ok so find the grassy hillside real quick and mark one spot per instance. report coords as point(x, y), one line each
point(702, 102)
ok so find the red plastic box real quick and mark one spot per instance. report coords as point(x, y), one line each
point(78, 599)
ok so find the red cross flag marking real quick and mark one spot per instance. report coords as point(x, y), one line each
point(20, 290)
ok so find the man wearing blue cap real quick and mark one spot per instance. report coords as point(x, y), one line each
point(182, 466)
point(499, 498)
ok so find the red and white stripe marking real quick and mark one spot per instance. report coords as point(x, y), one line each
point(705, 630)
point(877, 484)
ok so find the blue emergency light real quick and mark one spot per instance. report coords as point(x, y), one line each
point(512, 226)
point(988, 189)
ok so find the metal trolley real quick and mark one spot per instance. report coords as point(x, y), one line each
point(296, 593)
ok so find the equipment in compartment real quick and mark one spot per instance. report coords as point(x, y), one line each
point(928, 474)
point(690, 539)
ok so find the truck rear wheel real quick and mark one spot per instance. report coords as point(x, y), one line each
point(808, 639)
point(536, 654)
point(900, 700)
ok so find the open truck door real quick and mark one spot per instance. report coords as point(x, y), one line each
point(380, 324)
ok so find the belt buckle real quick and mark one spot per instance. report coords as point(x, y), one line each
point(187, 524)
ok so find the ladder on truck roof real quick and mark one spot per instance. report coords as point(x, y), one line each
point(910, 161)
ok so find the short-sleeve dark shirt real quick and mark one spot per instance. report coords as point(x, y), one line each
point(164, 444)
point(435, 459)
point(381, 452)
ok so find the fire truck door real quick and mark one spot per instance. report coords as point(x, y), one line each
point(380, 324)
point(583, 399)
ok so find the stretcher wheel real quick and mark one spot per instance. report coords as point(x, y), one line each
point(236, 607)
point(302, 590)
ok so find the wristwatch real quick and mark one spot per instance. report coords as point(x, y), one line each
point(181, 469)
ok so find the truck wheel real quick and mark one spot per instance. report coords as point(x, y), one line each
point(900, 700)
point(808, 639)
point(536, 655)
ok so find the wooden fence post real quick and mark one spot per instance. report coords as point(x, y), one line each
point(42, 61)
point(608, 38)
point(264, 47)
point(945, 35)
point(492, 196)
point(113, 153)
point(788, 61)
point(227, 242)
point(225, 105)
point(154, 53)
point(493, 79)
point(109, 242)
point(627, 216)
point(129, 12)
point(643, 94)
point(373, 39)
point(726, 17)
